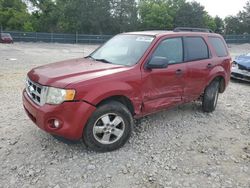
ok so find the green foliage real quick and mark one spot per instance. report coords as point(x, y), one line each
point(83, 16)
point(124, 15)
point(28, 27)
point(244, 18)
point(167, 14)
point(13, 14)
point(115, 16)
point(233, 25)
point(209, 22)
point(46, 17)
point(219, 23)
point(155, 15)
point(190, 15)
point(239, 24)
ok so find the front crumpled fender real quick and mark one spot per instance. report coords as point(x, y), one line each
point(101, 91)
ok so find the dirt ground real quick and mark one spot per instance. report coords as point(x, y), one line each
point(182, 147)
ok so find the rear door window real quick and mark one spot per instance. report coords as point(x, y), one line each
point(195, 49)
point(219, 46)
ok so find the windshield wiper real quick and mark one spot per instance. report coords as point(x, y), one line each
point(89, 56)
point(104, 61)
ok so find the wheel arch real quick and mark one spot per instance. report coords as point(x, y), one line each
point(218, 73)
point(222, 82)
point(119, 98)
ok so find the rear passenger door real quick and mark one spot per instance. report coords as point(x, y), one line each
point(197, 57)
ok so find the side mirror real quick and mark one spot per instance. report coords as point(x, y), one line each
point(157, 62)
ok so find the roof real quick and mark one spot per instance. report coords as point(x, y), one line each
point(164, 32)
point(150, 33)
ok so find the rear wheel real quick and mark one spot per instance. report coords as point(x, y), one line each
point(210, 97)
point(109, 127)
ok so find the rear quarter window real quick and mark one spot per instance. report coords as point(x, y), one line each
point(218, 46)
point(195, 49)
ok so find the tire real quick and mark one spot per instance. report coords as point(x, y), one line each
point(210, 97)
point(109, 128)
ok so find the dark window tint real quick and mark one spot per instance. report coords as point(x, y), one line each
point(196, 49)
point(219, 46)
point(171, 49)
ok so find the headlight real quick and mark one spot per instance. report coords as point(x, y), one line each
point(57, 96)
point(235, 65)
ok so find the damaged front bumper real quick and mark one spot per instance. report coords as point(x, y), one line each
point(240, 74)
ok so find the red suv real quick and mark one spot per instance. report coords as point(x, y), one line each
point(132, 75)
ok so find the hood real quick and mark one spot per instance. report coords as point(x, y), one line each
point(63, 73)
point(243, 60)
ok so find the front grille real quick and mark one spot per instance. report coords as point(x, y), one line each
point(241, 76)
point(36, 92)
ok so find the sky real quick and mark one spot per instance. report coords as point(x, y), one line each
point(222, 8)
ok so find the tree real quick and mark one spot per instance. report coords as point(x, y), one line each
point(124, 15)
point(155, 14)
point(14, 15)
point(244, 18)
point(190, 15)
point(240, 23)
point(85, 16)
point(46, 15)
point(209, 22)
point(233, 25)
point(114, 16)
point(219, 25)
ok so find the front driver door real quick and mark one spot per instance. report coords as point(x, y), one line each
point(163, 88)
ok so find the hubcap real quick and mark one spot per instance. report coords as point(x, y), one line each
point(109, 128)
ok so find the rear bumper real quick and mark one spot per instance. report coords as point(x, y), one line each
point(240, 74)
point(72, 116)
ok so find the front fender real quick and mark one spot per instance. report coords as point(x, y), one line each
point(102, 91)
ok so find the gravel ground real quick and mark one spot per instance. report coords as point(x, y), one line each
point(182, 147)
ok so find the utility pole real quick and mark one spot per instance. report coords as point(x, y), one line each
point(76, 37)
point(51, 37)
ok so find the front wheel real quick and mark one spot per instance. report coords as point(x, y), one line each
point(109, 127)
point(210, 97)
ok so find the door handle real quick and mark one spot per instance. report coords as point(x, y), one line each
point(209, 65)
point(178, 72)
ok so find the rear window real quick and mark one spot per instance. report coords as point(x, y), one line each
point(219, 46)
point(196, 49)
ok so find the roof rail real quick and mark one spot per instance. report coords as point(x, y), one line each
point(192, 29)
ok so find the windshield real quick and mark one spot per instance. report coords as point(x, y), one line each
point(5, 34)
point(123, 49)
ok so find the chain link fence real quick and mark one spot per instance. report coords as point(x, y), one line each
point(91, 39)
point(58, 37)
point(237, 39)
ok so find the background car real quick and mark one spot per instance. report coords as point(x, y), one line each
point(6, 38)
point(241, 67)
